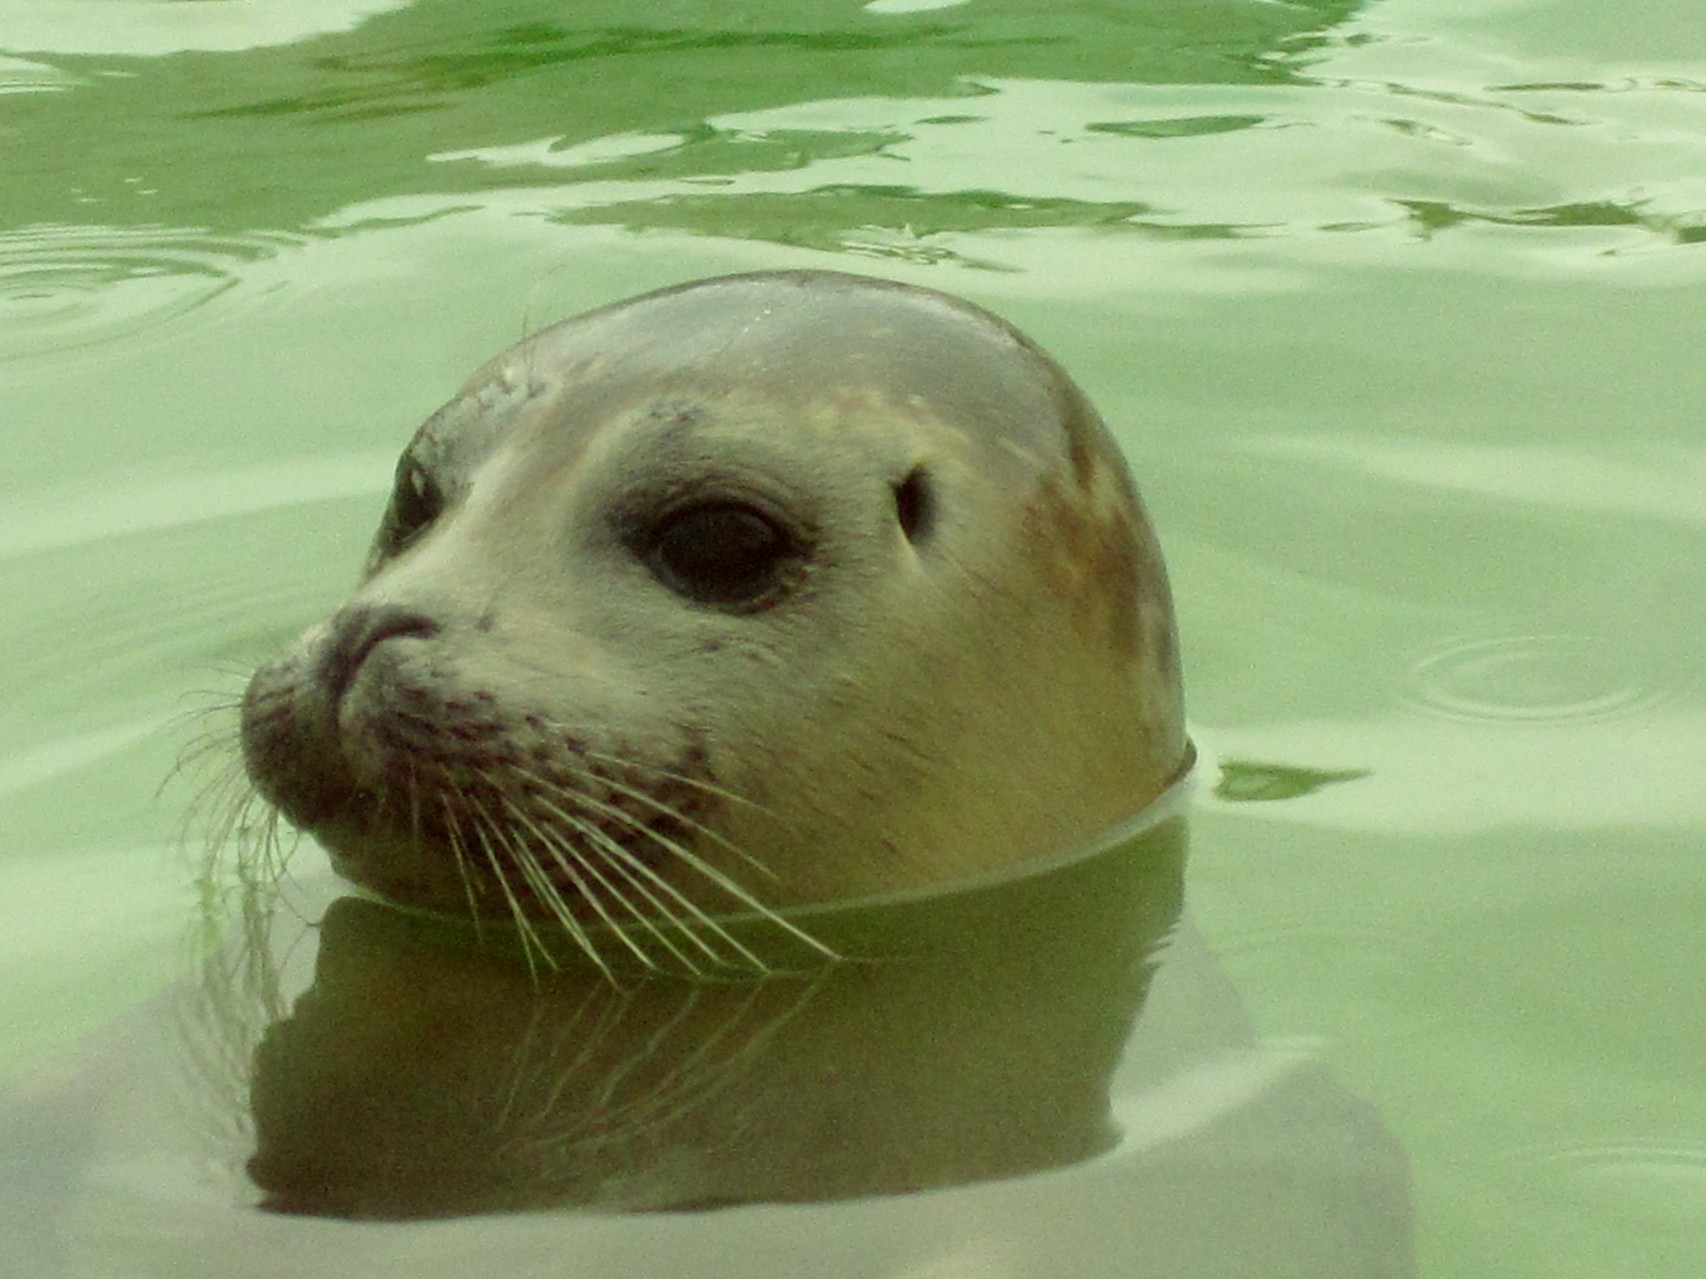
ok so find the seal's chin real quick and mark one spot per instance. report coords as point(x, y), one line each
point(406, 871)
point(494, 873)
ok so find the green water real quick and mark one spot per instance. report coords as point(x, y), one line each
point(1396, 310)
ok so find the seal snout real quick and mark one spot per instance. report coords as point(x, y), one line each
point(355, 633)
point(296, 749)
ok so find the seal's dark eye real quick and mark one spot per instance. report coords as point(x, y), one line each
point(726, 554)
point(416, 501)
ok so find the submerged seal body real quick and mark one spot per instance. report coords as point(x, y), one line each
point(760, 591)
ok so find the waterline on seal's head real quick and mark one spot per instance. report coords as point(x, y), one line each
point(755, 594)
point(798, 941)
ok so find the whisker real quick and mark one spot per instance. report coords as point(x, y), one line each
point(536, 878)
point(682, 912)
point(734, 889)
point(669, 774)
point(220, 741)
point(709, 872)
point(572, 868)
point(640, 917)
point(658, 805)
point(632, 867)
point(458, 854)
point(625, 864)
point(226, 792)
point(217, 740)
point(217, 703)
point(529, 939)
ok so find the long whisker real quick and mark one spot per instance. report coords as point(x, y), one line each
point(595, 838)
point(658, 805)
point(732, 887)
point(635, 870)
point(669, 774)
point(529, 939)
point(573, 867)
point(458, 853)
point(537, 880)
point(626, 864)
point(217, 742)
point(685, 915)
point(224, 792)
point(692, 860)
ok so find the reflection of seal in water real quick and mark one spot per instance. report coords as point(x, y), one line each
point(417, 1079)
point(761, 591)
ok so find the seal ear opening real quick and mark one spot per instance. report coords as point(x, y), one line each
point(915, 505)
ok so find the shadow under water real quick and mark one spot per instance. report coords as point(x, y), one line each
point(1070, 1023)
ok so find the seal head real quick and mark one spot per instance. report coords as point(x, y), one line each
point(764, 590)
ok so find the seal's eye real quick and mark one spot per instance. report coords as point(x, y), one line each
point(416, 501)
point(724, 553)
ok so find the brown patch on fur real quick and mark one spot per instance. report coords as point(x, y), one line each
point(1082, 426)
point(1088, 545)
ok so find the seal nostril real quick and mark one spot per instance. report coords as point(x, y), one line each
point(356, 632)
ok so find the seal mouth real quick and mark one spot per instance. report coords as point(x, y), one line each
point(538, 831)
point(525, 812)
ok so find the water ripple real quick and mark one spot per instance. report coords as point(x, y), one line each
point(1658, 1181)
point(106, 506)
point(63, 287)
point(18, 75)
point(1539, 679)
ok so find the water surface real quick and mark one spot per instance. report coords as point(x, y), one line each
point(1395, 307)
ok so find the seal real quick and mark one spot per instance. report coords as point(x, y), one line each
point(751, 593)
